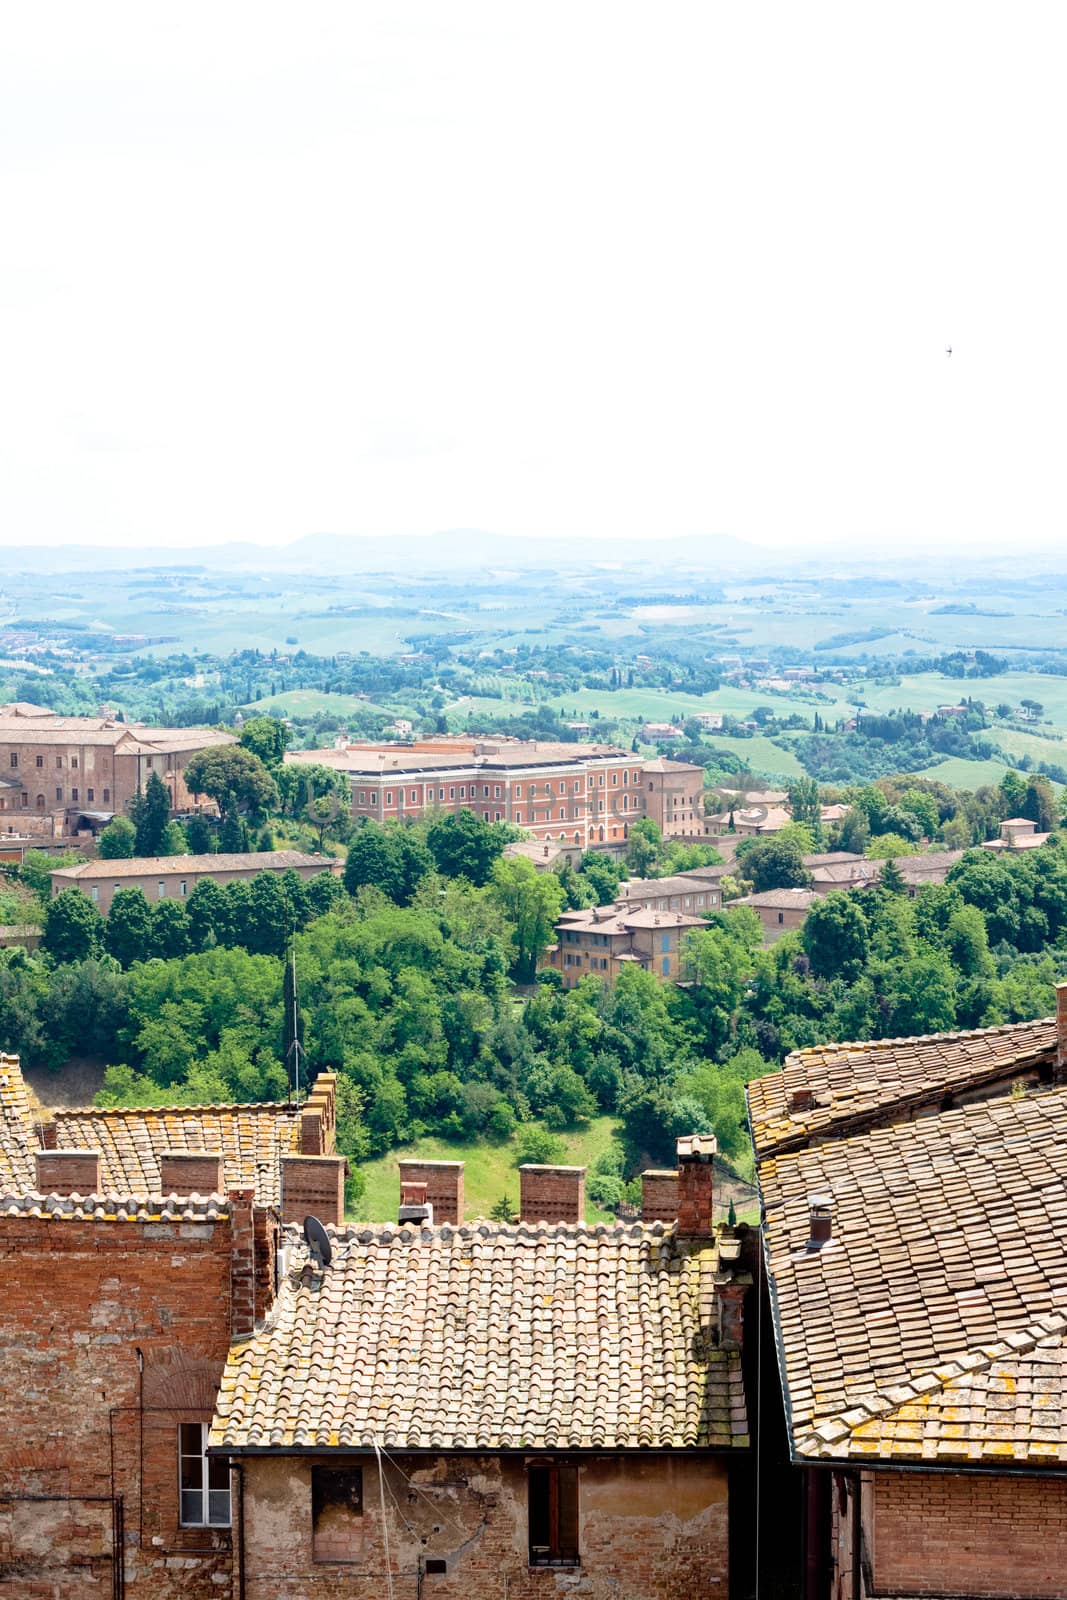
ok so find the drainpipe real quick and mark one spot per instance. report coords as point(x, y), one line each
point(857, 1535)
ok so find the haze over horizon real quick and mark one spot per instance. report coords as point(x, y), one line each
point(578, 273)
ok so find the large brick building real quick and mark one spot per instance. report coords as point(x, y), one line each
point(65, 776)
point(584, 795)
point(915, 1202)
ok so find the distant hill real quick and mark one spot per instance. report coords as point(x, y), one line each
point(454, 550)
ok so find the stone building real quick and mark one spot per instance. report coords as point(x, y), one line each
point(65, 777)
point(916, 1254)
point(471, 1411)
point(175, 877)
point(604, 939)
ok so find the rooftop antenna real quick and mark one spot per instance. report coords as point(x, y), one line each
point(318, 1242)
point(294, 1049)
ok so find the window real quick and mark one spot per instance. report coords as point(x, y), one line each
point(363, 797)
point(463, 792)
point(95, 892)
point(518, 818)
point(59, 761)
point(562, 813)
point(14, 758)
point(181, 888)
point(562, 787)
point(388, 797)
point(336, 1514)
point(552, 1500)
point(781, 918)
point(40, 761)
point(614, 780)
point(148, 761)
point(665, 941)
point(204, 1480)
point(107, 797)
point(666, 966)
point(518, 791)
point(626, 777)
point(161, 890)
point(485, 793)
point(496, 791)
point(90, 795)
point(25, 800)
point(496, 816)
point(74, 761)
point(59, 792)
point(413, 796)
point(74, 795)
point(451, 792)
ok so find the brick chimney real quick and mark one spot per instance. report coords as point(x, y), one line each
point(1061, 1030)
point(696, 1183)
point(314, 1186)
point(444, 1186)
point(191, 1172)
point(48, 1133)
point(659, 1194)
point(551, 1194)
point(318, 1118)
point(242, 1263)
point(820, 1220)
point(68, 1171)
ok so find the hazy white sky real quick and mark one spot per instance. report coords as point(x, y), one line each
point(583, 268)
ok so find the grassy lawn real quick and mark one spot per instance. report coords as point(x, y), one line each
point(490, 1171)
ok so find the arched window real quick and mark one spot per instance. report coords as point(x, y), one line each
point(40, 802)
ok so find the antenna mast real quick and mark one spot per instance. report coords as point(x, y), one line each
point(294, 1054)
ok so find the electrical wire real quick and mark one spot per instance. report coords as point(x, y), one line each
point(385, 1520)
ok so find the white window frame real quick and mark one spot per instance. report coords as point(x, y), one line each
point(210, 1499)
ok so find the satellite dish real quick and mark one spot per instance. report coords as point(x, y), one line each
point(318, 1241)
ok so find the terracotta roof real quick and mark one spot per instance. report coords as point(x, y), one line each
point(827, 1090)
point(779, 899)
point(664, 764)
point(661, 888)
point(928, 862)
point(174, 866)
point(537, 1336)
point(115, 1208)
point(252, 1140)
point(17, 1144)
point(929, 1329)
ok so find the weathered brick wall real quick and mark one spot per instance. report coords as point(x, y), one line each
point(659, 1194)
point(313, 1186)
point(80, 1299)
point(444, 1186)
point(551, 1194)
point(945, 1534)
point(651, 1528)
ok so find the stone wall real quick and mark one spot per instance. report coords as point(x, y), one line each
point(650, 1528)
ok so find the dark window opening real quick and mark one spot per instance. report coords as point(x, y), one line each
point(553, 1516)
point(337, 1514)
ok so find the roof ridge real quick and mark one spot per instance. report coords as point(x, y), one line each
point(140, 1111)
point(111, 1207)
point(825, 1437)
point(796, 1057)
point(365, 1232)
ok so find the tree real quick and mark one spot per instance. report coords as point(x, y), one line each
point(209, 915)
point(128, 935)
point(603, 873)
point(892, 879)
point(532, 902)
point(201, 836)
point(233, 832)
point(775, 863)
point(835, 937)
point(231, 774)
point(392, 859)
point(73, 928)
point(643, 850)
point(118, 840)
point(266, 738)
point(150, 813)
point(805, 806)
point(463, 845)
point(170, 933)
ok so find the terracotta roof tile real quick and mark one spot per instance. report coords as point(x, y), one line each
point(174, 866)
point(114, 1208)
point(930, 1326)
point(490, 1337)
point(251, 1138)
point(17, 1142)
point(829, 1089)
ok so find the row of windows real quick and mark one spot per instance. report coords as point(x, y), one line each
point(597, 963)
point(161, 889)
point(337, 1504)
point(24, 799)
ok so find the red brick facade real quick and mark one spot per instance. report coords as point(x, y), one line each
point(650, 1527)
point(956, 1534)
point(112, 1333)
